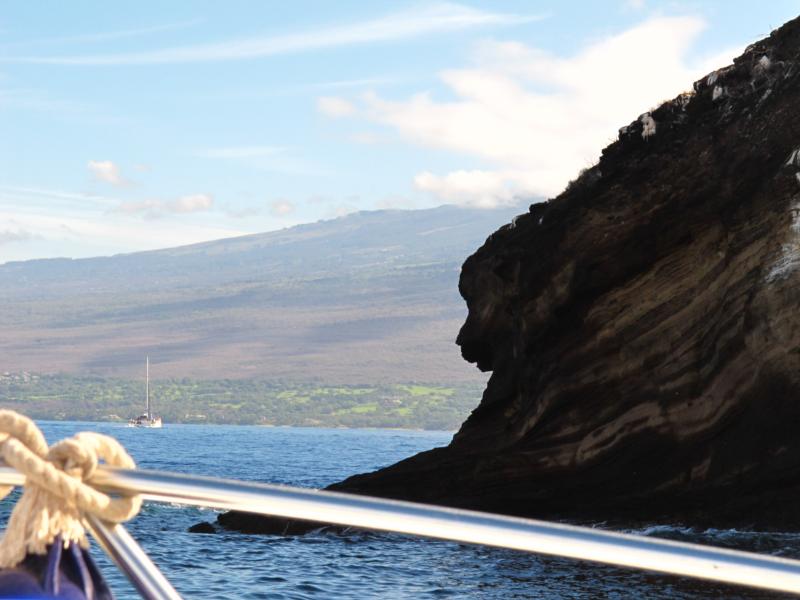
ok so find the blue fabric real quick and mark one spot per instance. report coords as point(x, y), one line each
point(63, 574)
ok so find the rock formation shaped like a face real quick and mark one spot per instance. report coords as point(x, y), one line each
point(643, 328)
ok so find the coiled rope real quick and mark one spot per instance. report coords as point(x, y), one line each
point(55, 497)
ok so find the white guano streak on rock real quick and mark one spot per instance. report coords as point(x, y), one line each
point(648, 125)
point(794, 158)
point(684, 99)
point(789, 259)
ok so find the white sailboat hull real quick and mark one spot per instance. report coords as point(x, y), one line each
point(147, 419)
point(154, 423)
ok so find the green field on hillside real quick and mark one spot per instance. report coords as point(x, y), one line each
point(257, 402)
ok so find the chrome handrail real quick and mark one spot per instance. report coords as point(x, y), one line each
point(132, 560)
point(541, 537)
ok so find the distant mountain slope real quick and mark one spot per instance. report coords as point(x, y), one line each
point(367, 297)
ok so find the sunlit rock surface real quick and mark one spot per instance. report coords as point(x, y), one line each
point(643, 328)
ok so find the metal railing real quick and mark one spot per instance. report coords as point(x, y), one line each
point(585, 543)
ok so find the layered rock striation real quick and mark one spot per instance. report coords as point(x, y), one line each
point(643, 328)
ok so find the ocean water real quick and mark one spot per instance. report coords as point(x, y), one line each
point(358, 565)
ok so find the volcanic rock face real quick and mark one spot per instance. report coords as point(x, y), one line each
point(642, 328)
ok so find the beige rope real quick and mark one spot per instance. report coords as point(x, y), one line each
point(55, 497)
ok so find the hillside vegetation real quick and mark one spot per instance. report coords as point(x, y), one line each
point(238, 401)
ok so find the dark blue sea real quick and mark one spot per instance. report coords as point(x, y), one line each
point(357, 566)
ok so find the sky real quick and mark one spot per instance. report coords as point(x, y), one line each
point(143, 125)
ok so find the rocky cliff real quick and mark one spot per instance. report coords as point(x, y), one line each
point(643, 328)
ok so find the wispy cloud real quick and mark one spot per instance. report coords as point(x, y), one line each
point(106, 36)
point(29, 99)
point(535, 118)
point(349, 83)
point(335, 107)
point(76, 235)
point(39, 223)
point(278, 90)
point(154, 208)
point(32, 195)
point(634, 4)
point(276, 159)
point(240, 152)
point(439, 18)
point(191, 203)
point(107, 171)
point(281, 208)
point(481, 189)
point(45, 201)
point(26, 100)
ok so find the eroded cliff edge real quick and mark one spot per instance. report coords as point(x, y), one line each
point(643, 328)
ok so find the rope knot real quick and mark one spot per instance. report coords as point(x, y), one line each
point(55, 497)
point(75, 459)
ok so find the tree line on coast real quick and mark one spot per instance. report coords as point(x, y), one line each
point(412, 405)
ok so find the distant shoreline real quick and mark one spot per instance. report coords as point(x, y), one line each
point(403, 406)
point(123, 425)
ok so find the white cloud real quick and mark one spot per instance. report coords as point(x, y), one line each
point(536, 119)
point(134, 207)
point(155, 208)
point(45, 223)
point(191, 203)
point(107, 171)
point(281, 208)
point(479, 189)
point(437, 18)
point(87, 235)
point(335, 107)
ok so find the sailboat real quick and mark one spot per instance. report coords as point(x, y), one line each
point(147, 419)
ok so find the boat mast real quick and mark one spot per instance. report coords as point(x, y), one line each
point(147, 388)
